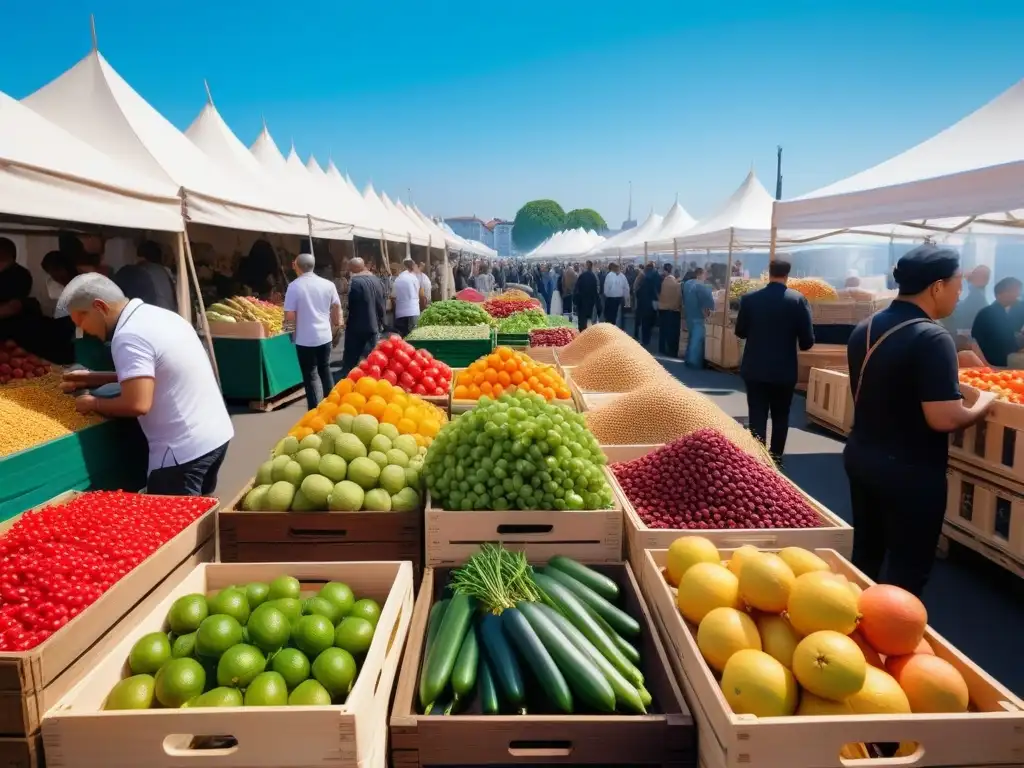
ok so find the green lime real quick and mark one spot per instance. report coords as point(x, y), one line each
point(292, 665)
point(257, 594)
point(218, 697)
point(231, 602)
point(313, 634)
point(178, 681)
point(284, 586)
point(135, 692)
point(321, 606)
point(335, 669)
point(216, 634)
point(267, 689)
point(289, 606)
point(366, 609)
point(339, 594)
point(184, 645)
point(149, 653)
point(187, 613)
point(309, 693)
point(269, 629)
point(239, 666)
point(354, 635)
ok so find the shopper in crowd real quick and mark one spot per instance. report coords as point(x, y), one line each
point(616, 288)
point(670, 302)
point(147, 279)
point(166, 381)
point(697, 304)
point(774, 320)
point(15, 287)
point(975, 300)
point(407, 298)
point(569, 277)
point(484, 281)
point(60, 270)
point(585, 296)
point(425, 286)
point(995, 328)
point(365, 315)
point(313, 307)
point(648, 291)
point(460, 278)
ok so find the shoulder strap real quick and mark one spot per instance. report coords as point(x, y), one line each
point(872, 347)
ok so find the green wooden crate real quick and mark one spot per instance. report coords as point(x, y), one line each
point(513, 339)
point(457, 353)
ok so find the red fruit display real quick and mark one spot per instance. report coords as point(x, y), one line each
point(470, 294)
point(414, 370)
point(703, 481)
point(552, 337)
point(504, 307)
point(57, 561)
point(17, 364)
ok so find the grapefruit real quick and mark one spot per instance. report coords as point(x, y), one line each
point(723, 632)
point(829, 665)
point(880, 695)
point(892, 620)
point(802, 561)
point(778, 638)
point(756, 684)
point(870, 654)
point(740, 556)
point(704, 587)
point(765, 583)
point(932, 684)
point(815, 706)
point(820, 601)
point(685, 552)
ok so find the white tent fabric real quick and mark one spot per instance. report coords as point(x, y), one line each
point(973, 168)
point(566, 244)
point(746, 217)
point(628, 237)
point(417, 235)
point(367, 225)
point(449, 238)
point(47, 173)
point(94, 103)
point(676, 223)
point(394, 228)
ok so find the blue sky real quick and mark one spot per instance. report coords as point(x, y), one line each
point(479, 107)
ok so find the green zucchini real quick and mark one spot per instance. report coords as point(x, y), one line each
point(628, 649)
point(464, 672)
point(603, 585)
point(619, 620)
point(447, 643)
point(503, 662)
point(583, 676)
point(645, 696)
point(433, 625)
point(573, 609)
point(626, 694)
point(532, 649)
point(488, 691)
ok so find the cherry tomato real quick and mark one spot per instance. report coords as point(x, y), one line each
point(419, 389)
point(415, 370)
point(378, 359)
point(406, 382)
point(356, 374)
point(391, 377)
point(374, 372)
point(429, 382)
point(402, 357)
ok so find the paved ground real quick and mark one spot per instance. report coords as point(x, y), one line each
point(977, 606)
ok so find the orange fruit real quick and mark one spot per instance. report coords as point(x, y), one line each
point(479, 378)
point(510, 366)
point(310, 415)
point(354, 399)
point(399, 397)
point(517, 377)
point(491, 376)
point(461, 392)
point(328, 410)
point(406, 426)
point(494, 360)
point(497, 390)
point(344, 386)
point(375, 406)
point(302, 432)
point(334, 397)
point(366, 386)
point(349, 409)
point(383, 388)
point(317, 423)
point(548, 392)
point(392, 414)
point(421, 440)
point(474, 392)
point(429, 428)
point(486, 388)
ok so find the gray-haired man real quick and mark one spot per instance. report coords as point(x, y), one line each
point(312, 304)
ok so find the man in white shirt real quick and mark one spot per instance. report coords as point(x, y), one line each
point(407, 298)
point(166, 381)
point(616, 289)
point(313, 307)
point(425, 286)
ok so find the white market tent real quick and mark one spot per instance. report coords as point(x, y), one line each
point(971, 172)
point(614, 245)
point(396, 228)
point(566, 244)
point(352, 200)
point(676, 223)
point(744, 218)
point(416, 233)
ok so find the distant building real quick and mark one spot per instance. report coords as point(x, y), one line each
point(496, 233)
point(501, 235)
point(628, 224)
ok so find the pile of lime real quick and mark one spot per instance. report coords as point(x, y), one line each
point(258, 645)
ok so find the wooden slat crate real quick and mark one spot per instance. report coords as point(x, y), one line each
point(986, 516)
point(592, 536)
point(727, 357)
point(301, 537)
point(663, 738)
point(829, 356)
point(834, 533)
point(78, 732)
point(32, 681)
point(990, 735)
point(838, 312)
point(24, 752)
point(995, 445)
point(829, 400)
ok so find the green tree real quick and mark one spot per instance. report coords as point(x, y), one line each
point(535, 222)
point(587, 218)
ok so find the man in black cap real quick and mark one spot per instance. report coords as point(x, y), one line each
point(906, 392)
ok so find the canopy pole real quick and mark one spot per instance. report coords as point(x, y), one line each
point(645, 253)
point(445, 274)
point(771, 248)
point(728, 279)
point(191, 265)
point(184, 305)
point(675, 253)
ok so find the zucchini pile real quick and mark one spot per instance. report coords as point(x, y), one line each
point(508, 639)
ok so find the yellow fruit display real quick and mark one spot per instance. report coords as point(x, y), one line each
point(778, 638)
point(880, 695)
point(813, 288)
point(756, 684)
point(830, 665)
point(723, 632)
point(739, 557)
point(765, 583)
point(35, 411)
point(704, 587)
point(818, 602)
point(802, 561)
point(685, 552)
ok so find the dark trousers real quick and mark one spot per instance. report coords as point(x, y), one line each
point(765, 398)
point(584, 314)
point(897, 522)
point(646, 318)
point(357, 345)
point(193, 478)
point(567, 304)
point(668, 332)
point(315, 364)
point(611, 309)
point(404, 325)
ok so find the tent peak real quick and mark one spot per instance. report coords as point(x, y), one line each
point(263, 119)
point(92, 32)
point(209, 95)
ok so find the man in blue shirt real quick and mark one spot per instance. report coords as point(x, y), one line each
point(698, 301)
point(995, 327)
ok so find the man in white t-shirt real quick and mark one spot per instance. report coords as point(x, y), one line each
point(313, 307)
point(425, 286)
point(166, 381)
point(407, 298)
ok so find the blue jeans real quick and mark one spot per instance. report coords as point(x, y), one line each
point(193, 478)
point(695, 344)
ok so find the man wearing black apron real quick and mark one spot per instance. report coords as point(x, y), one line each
point(903, 373)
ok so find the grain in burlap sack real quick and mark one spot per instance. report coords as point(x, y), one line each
point(620, 366)
point(593, 339)
point(665, 410)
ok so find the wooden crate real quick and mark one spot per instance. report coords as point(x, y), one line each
point(835, 533)
point(995, 445)
point(828, 356)
point(985, 515)
point(543, 355)
point(32, 681)
point(991, 736)
point(829, 400)
point(726, 357)
point(247, 329)
point(662, 739)
point(837, 312)
point(456, 407)
point(77, 732)
point(25, 752)
point(591, 536)
point(318, 537)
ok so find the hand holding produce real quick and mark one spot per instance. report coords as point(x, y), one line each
point(454, 312)
point(449, 333)
point(1005, 385)
point(552, 337)
point(57, 561)
point(517, 452)
point(505, 370)
point(401, 364)
point(257, 645)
